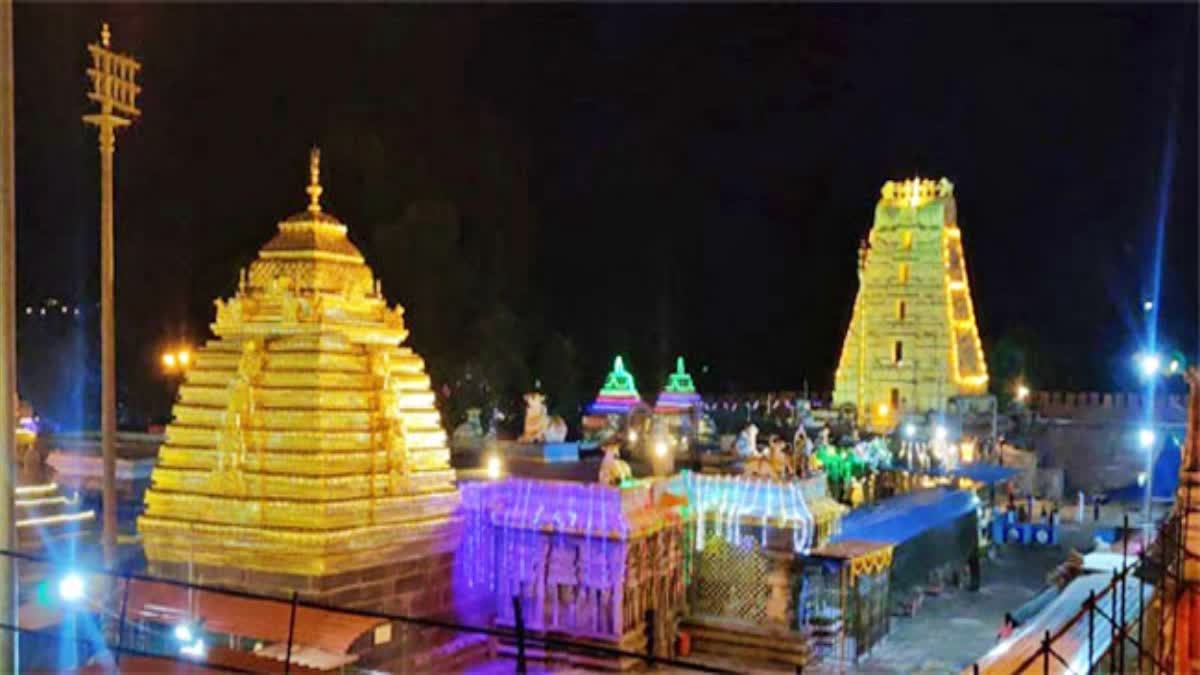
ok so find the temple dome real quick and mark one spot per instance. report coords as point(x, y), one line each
point(305, 438)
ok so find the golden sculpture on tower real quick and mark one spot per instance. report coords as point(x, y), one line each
point(305, 439)
point(912, 342)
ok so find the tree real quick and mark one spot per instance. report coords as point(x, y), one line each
point(558, 372)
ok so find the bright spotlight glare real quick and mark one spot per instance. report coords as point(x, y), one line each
point(168, 360)
point(1173, 366)
point(1148, 364)
point(940, 433)
point(633, 436)
point(1022, 392)
point(883, 409)
point(910, 430)
point(184, 357)
point(1146, 438)
point(660, 449)
point(493, 467)
point(71, 587)
point(195, 650)
point(183, 633)
point(1147, 305)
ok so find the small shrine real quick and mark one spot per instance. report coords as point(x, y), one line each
point(306, 453)
point(618, 409)
point(748, 539)
point(583, 560)
point(679, 396)
point(619, 395)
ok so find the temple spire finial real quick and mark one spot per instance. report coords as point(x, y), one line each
point(105, 35)
point(314, 189)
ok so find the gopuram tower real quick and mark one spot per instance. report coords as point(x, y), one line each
point(912, 342)
point(305, 453)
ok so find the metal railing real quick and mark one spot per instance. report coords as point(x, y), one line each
point(111, 627)
point(1129, 648)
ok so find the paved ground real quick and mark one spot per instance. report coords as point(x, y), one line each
point(952, 630)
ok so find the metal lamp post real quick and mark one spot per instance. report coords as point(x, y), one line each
point(114, 88)
point(8, 355)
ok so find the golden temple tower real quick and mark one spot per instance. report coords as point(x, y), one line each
point(912, 342)
point(305, 453)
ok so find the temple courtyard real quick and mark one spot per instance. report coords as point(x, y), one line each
point(951, 630)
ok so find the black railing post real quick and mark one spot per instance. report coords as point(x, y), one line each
point(1091, 605)
point(121, 624)
point(1124, 539)
point(519, 620)
point(1121, 619)
point(1112, 620)
point(1046, 653)
point(975, 669)
point(650, 637)
point(287, 663)
point(1141, 591)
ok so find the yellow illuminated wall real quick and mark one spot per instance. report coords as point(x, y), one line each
point(914, 259)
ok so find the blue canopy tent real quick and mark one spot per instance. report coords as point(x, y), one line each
point(988, 474)
point(1165, 475)
point(928, 528)
point(896, 520)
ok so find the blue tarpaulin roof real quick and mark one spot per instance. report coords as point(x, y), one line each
point(988, 474)
point(899, 519)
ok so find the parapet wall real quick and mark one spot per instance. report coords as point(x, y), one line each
point(1093, 436)
point(1094, 406)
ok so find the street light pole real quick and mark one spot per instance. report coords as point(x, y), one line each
point(114, 88)
point(8, 351)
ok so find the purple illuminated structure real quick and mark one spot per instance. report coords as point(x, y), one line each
point(585, 560)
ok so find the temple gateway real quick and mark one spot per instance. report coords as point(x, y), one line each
point(912, 342)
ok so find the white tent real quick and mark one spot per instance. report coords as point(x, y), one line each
point(1072, 646)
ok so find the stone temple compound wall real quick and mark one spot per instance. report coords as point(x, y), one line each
point(912, 341)
point(1093, 436)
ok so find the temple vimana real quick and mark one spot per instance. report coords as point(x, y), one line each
point(912, 342)
point(305, 452)
point(306, 458)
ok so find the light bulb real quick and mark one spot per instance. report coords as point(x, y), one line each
point(71, 587)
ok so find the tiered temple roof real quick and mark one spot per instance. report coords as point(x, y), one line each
point(680, 393)
point(619, 395)
point(305, 439)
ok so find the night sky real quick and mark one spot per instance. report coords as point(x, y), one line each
point(656, 179)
